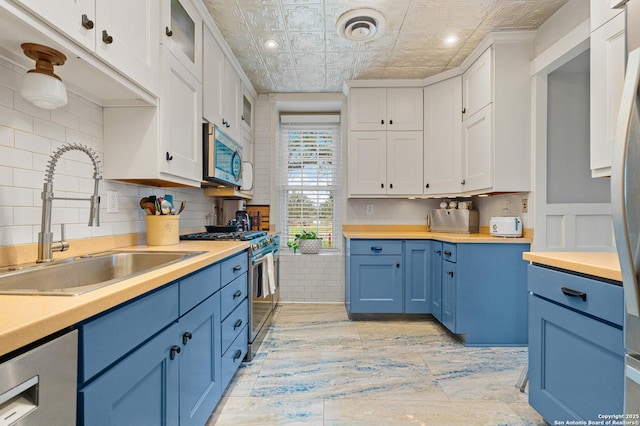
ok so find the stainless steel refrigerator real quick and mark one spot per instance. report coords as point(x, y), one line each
point(625, 198)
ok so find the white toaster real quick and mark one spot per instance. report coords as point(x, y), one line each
point(505, 226)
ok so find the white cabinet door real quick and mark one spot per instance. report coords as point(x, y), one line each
point(404, 109)
point(133, 45)
point(231, 102)
point(477, 151)
point(246, 110)
point(606, 81)
point(367, 109)
point(404, 163)
point(212, 79)
point(367, 163)
point(66, 16)
point(182, 33)
point(442, 137)
point(181, 130)
point(477, 85)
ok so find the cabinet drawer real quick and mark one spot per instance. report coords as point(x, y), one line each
point(233, 267)
point(197, 287)
point(232, 359)
point(376, 247)
point(597, 298)
point(232, 295)
point(233, 325)
point(107, 338)
point(449, 252)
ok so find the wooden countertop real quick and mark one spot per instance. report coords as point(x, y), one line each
point(598, 264)
point(419, 232)
point(26, 319)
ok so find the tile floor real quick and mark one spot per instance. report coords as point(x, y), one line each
point(316, 367)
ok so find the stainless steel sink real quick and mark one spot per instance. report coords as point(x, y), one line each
point(78, 275)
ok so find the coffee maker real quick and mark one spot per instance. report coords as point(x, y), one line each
point(243, 220)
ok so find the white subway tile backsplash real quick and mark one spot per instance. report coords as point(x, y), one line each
point(6, 216)
point(7, 136)
point(6, 96)
point(26, 215)
point(65, 118)
point(90, 127)
point(24, 178)
point(23, 105)
point(48, 129)
point(32, 143)
point(15, 157)
point(16, 235)
point(15, 119)
point(10, 196)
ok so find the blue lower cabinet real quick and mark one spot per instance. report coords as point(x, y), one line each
point(233, 357)
point(376, 284)
point(200, 365)
point(417, 277)
point(436, 280)
point(142, 389)
point(448, 295)
point(576, 359)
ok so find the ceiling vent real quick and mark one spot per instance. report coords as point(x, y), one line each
point(360, 25)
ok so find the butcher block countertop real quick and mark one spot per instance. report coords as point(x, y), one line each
point(26, 319)
point(598, 264)
point(419, 232)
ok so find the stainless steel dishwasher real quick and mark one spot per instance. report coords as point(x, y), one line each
point(38, 387)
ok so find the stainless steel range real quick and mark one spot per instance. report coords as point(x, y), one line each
point(263, 298)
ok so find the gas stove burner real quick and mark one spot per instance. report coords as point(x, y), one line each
point(219, 236)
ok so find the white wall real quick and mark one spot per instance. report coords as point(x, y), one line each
point(28, 135)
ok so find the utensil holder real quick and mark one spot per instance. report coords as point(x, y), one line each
point(163, 230)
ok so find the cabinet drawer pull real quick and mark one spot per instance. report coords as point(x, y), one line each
point(174, 350)
point(106, 38)
point(463, 182)
point(237, 355)
point(237, 294)
point(168, 31)
point(376, 248)
point(573, 293)
point(168, 156)
point(237, 324)
point(237, 268)
point(186, 337)
point(86, 22)
point(447, 253)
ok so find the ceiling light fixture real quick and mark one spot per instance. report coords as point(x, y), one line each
point(360, 25)
point(271, 44)
point(40, 85)
point(451, 40)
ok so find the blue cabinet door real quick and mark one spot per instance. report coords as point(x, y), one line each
point(436, 279)
point(449, 292)
point(200, 360)
point(576, 363)
point(376, 284)
point(417, 276)
point(142, 389)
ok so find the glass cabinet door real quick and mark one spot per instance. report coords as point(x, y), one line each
point(182, 34)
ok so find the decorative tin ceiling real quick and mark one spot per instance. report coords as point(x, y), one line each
point(311, 57)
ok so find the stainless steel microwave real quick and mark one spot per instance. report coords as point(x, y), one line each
point(222, 157)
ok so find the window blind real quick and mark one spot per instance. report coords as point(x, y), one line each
point(309, 181)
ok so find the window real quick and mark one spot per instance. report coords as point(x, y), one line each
point(309, 179)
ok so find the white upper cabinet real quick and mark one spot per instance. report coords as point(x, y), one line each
point(385, 163)
point(606, 80)
point(477, 151)
point(442, 137)
point(231, 95)
point(182, 34)
point(212, 78)
point(385, 109)
point(246, 113)
point(602, 12)
point(121, 32)
point(477, 85)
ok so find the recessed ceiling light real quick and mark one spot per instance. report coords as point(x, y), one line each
point(451, 40)
point(271, 44)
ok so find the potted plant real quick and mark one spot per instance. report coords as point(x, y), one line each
point(308, 242)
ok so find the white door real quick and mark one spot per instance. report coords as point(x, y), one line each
point(367, 109)
point(477, 151)
point(477, 85)
point(212, 79)
point(127, 38)
point(367, 163)
point(442, 137)
point(404, 163)
point(404, 109)
point(181, 129)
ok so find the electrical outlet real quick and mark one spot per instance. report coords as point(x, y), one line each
point(112, 201)
point(507, 206)
point(369, 209)
point(525, 205)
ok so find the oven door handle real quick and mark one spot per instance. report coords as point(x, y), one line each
point(259, 261)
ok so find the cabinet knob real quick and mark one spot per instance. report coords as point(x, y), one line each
point(426, 186)
point(381, 121)
point(86, 22)
point(398, 265)
point(237, 324)
point(382, 185)
point(390, 121)
point(464, 110)
point(438, 252)
point(463, 182)
point(168, 31)
point(224, 122)
point(106, 38)
point(186, 337)
point(174, 350)
point(450, 273)
point(390, 186)
point(168, 156)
